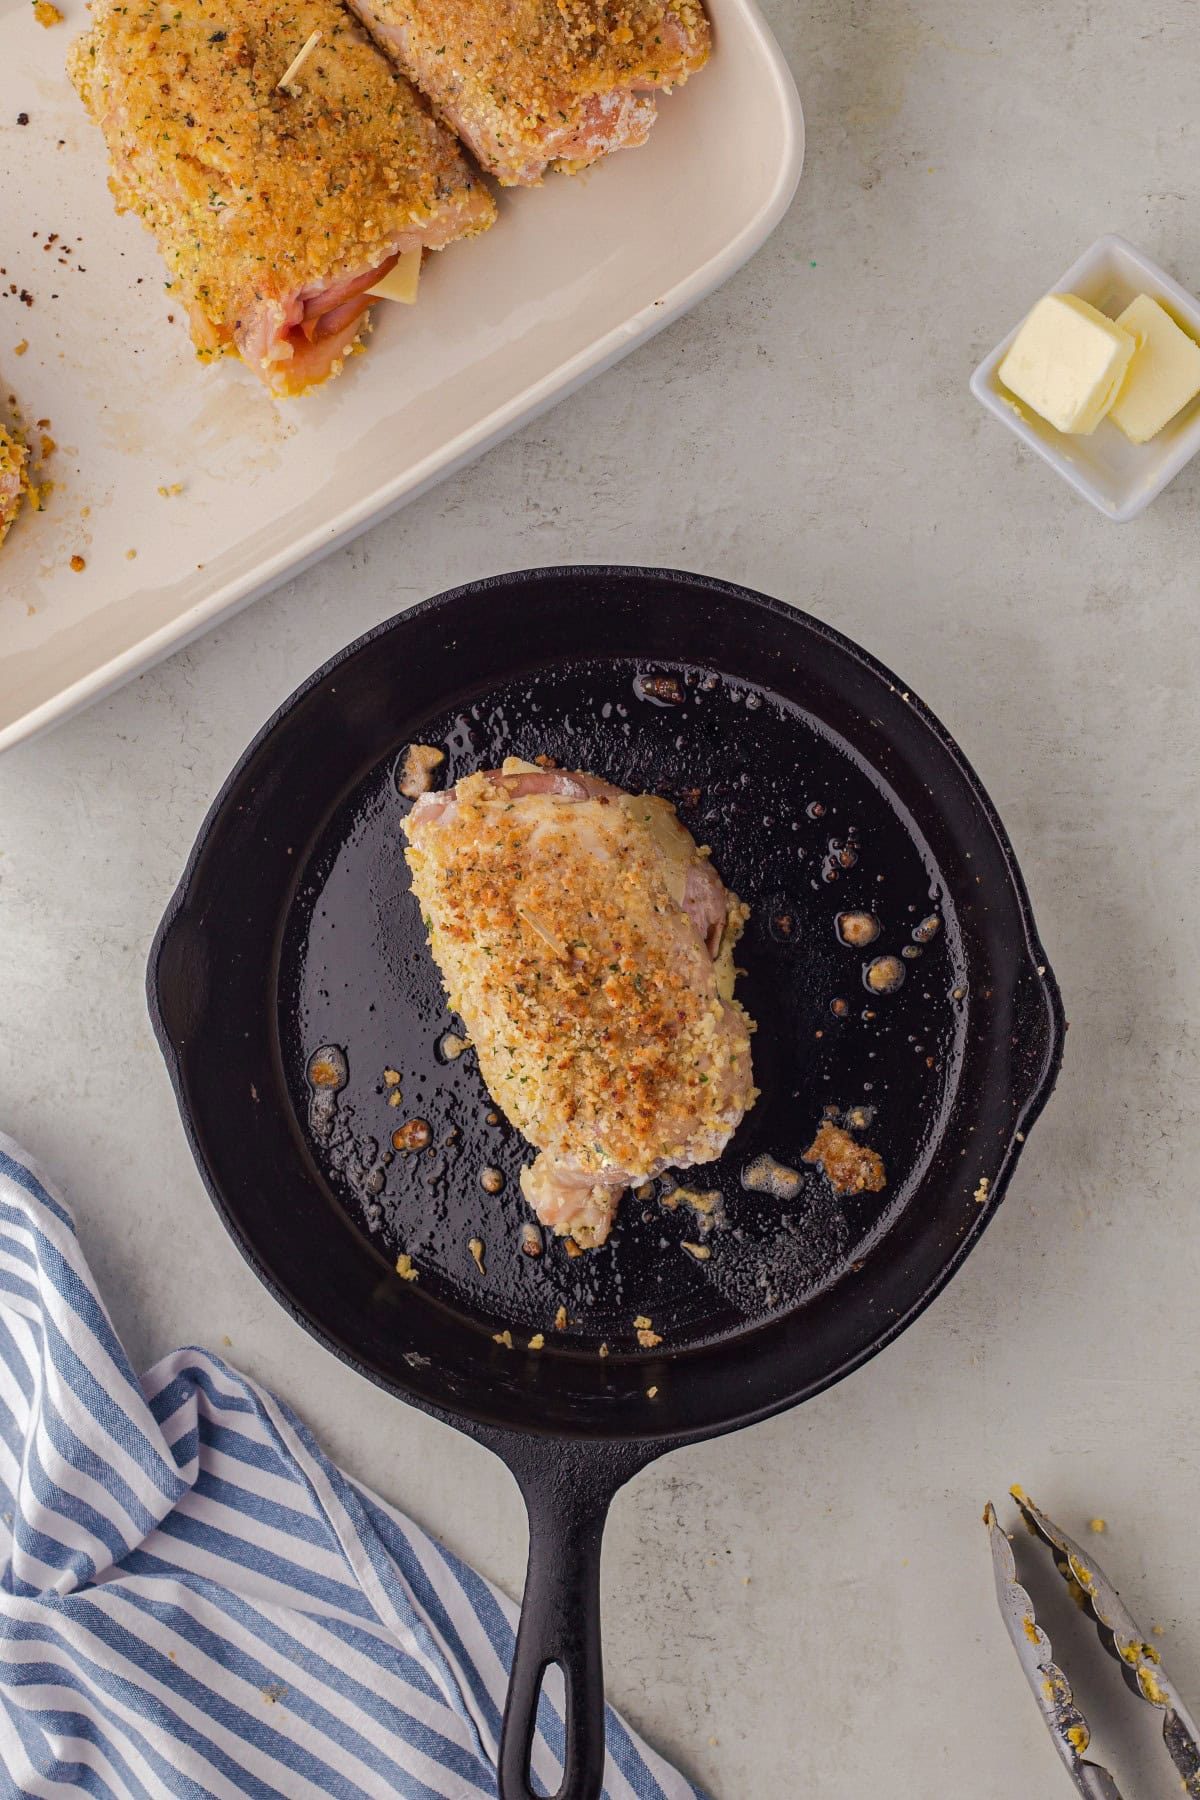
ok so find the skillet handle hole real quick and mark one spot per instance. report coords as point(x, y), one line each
point(557, 1678)
point(549, 1711)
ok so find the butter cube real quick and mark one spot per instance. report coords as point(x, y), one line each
point(1163, 376)
point(1067, 362)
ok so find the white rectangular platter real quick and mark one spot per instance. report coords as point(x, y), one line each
point(572, 277)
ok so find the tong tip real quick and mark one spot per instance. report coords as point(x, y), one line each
point(1094, 1593)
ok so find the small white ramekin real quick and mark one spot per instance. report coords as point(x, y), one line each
point(1119, 478)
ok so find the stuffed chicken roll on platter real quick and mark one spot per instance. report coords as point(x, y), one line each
point(587, 944)
point(282, 163)
point(534, 84)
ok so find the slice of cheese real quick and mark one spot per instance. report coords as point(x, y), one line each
point(1163, 376)
point(1067, 362)
point(400, 283)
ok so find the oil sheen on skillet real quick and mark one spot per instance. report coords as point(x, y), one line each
point(803, 832)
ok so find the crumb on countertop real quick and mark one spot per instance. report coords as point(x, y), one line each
point(46, 14)
point(168, 493)
point(404, 1267)
point(78, 564)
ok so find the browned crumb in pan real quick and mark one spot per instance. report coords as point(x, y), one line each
point(850, 1167)
point(416, 777)
point(415, 1135)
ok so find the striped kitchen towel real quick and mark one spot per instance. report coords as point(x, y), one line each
point(196, 1602)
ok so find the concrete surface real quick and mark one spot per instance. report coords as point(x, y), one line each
point(806, 1608)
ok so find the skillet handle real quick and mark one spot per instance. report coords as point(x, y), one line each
point(567, 1489)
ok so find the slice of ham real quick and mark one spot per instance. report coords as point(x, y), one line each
point(296, 342)
point(558, 782)
point(517, 784)
point(336, 296)
point(705, 901)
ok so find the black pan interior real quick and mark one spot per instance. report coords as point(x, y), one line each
point(798, 759)
point(802, 830)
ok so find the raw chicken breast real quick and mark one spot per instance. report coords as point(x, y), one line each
point(587, 945)
point(275, 209)
point(530, 84)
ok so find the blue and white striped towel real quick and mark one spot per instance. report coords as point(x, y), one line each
point(195, 1602)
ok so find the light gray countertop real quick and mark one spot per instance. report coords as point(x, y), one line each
point(806, 1607)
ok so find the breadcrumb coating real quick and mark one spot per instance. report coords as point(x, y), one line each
point(14, 481)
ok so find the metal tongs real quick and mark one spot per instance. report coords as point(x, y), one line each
point(1120, 1634)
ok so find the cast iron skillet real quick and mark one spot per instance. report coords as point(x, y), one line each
point(823, 786)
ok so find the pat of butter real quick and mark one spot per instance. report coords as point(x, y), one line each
point(1163, 376)
point(400, 283)
point(1067, 362)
